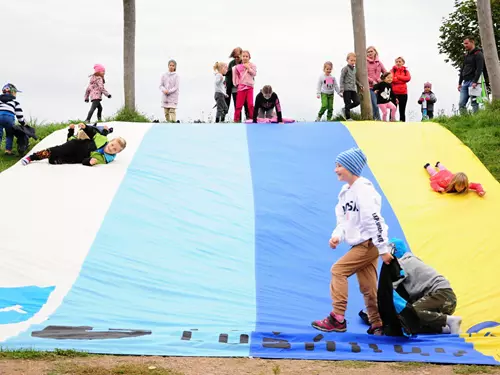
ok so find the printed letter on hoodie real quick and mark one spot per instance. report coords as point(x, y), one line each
point(358, 216)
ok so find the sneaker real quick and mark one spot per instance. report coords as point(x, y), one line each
point(330, 324)
point(376, 331)
point(26, 161)
point(318, 119)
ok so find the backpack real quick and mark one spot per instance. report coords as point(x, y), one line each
point(485, 71)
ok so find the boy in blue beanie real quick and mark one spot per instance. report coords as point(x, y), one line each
point(360, 224)
point(430, 293)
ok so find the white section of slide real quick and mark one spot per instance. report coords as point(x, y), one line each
point(50, 216)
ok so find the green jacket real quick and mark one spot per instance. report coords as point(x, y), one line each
point(99, 140)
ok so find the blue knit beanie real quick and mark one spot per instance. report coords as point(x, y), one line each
point(399, 247)
point(353, 160)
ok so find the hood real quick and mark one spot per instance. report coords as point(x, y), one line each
point(372, 61)
point(94, 78)
point(171, 73)
point(7, 98)
point(360, 183)
point(398, 69)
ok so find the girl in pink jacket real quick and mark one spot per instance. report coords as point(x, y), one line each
point(94, 92)
point(375, 69)
point(243, 79)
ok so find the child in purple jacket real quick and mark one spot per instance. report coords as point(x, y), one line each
point(169, 87)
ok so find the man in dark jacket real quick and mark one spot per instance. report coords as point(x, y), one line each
point(470, 73)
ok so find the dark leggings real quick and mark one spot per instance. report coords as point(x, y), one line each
point(96, 104)
point(402, 100)
point(351, 100)
point(71, 152)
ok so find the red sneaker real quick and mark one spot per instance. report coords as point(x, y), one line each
point(330, 324)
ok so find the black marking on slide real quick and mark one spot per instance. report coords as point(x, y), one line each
point(86, 333)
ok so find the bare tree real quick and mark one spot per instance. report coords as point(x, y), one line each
point(358, 25)
point(489, 45)
point(129, 53)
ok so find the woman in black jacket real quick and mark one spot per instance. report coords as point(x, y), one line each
point(230, 89)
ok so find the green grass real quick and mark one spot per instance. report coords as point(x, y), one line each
point(129, 115)
point(128, 369)
point(469, 370)
point(409, 366)
point(42, 131)
point(481, 133)
point(353, 364)
point(35, 354)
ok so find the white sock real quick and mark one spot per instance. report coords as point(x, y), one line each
point(454, 323)
point(446, 329)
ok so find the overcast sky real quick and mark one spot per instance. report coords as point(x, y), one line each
point(49, 48)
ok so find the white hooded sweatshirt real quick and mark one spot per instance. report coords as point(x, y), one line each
point(358, 216)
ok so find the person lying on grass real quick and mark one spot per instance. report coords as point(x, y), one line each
point(89, 147)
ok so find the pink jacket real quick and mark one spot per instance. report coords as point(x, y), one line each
point(243, 78)
point(375, 69)
point(170, 82)
point(95, 89)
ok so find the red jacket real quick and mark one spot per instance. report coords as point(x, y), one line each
point(442, 179)
point(400, 76)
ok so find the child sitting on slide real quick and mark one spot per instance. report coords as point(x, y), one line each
point(89, 147)
point(445, 181)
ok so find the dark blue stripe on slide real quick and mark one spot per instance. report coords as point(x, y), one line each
point(295, 193)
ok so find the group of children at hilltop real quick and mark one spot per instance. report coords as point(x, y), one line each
point(388, 89)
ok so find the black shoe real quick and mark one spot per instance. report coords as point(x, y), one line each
point(425, 166)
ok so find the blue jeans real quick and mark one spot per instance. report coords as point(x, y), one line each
point(376, 112)
point(7, 122)
point(464, 98)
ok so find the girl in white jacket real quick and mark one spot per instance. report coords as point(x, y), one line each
point(360, 224)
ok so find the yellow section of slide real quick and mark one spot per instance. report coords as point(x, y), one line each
point(457, 235)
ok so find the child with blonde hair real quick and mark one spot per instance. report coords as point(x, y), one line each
point(445, 181)
point(89, 147)
point(385, 96)
point(95, 90)
point(349, 85)
point(220, 69)
point(244, 79)
point(327, 85)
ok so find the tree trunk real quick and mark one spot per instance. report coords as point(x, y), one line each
point(129, 53)
point(358, 24)
point(489, 46)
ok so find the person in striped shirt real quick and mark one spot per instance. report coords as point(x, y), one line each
point(9, 110)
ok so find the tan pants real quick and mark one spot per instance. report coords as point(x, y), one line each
point(360, 260)
point(170, 114)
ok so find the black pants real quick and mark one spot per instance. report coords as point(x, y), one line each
point(351, 100)
point(96, 104)
point(402, 100)
point(222, 108)
point(247, 113)
point(71, 152)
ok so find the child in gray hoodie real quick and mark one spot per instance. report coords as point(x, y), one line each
point(430, 292)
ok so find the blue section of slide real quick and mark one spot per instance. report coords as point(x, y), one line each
point(295, 192)
point(21, 303)
point(175, 252)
